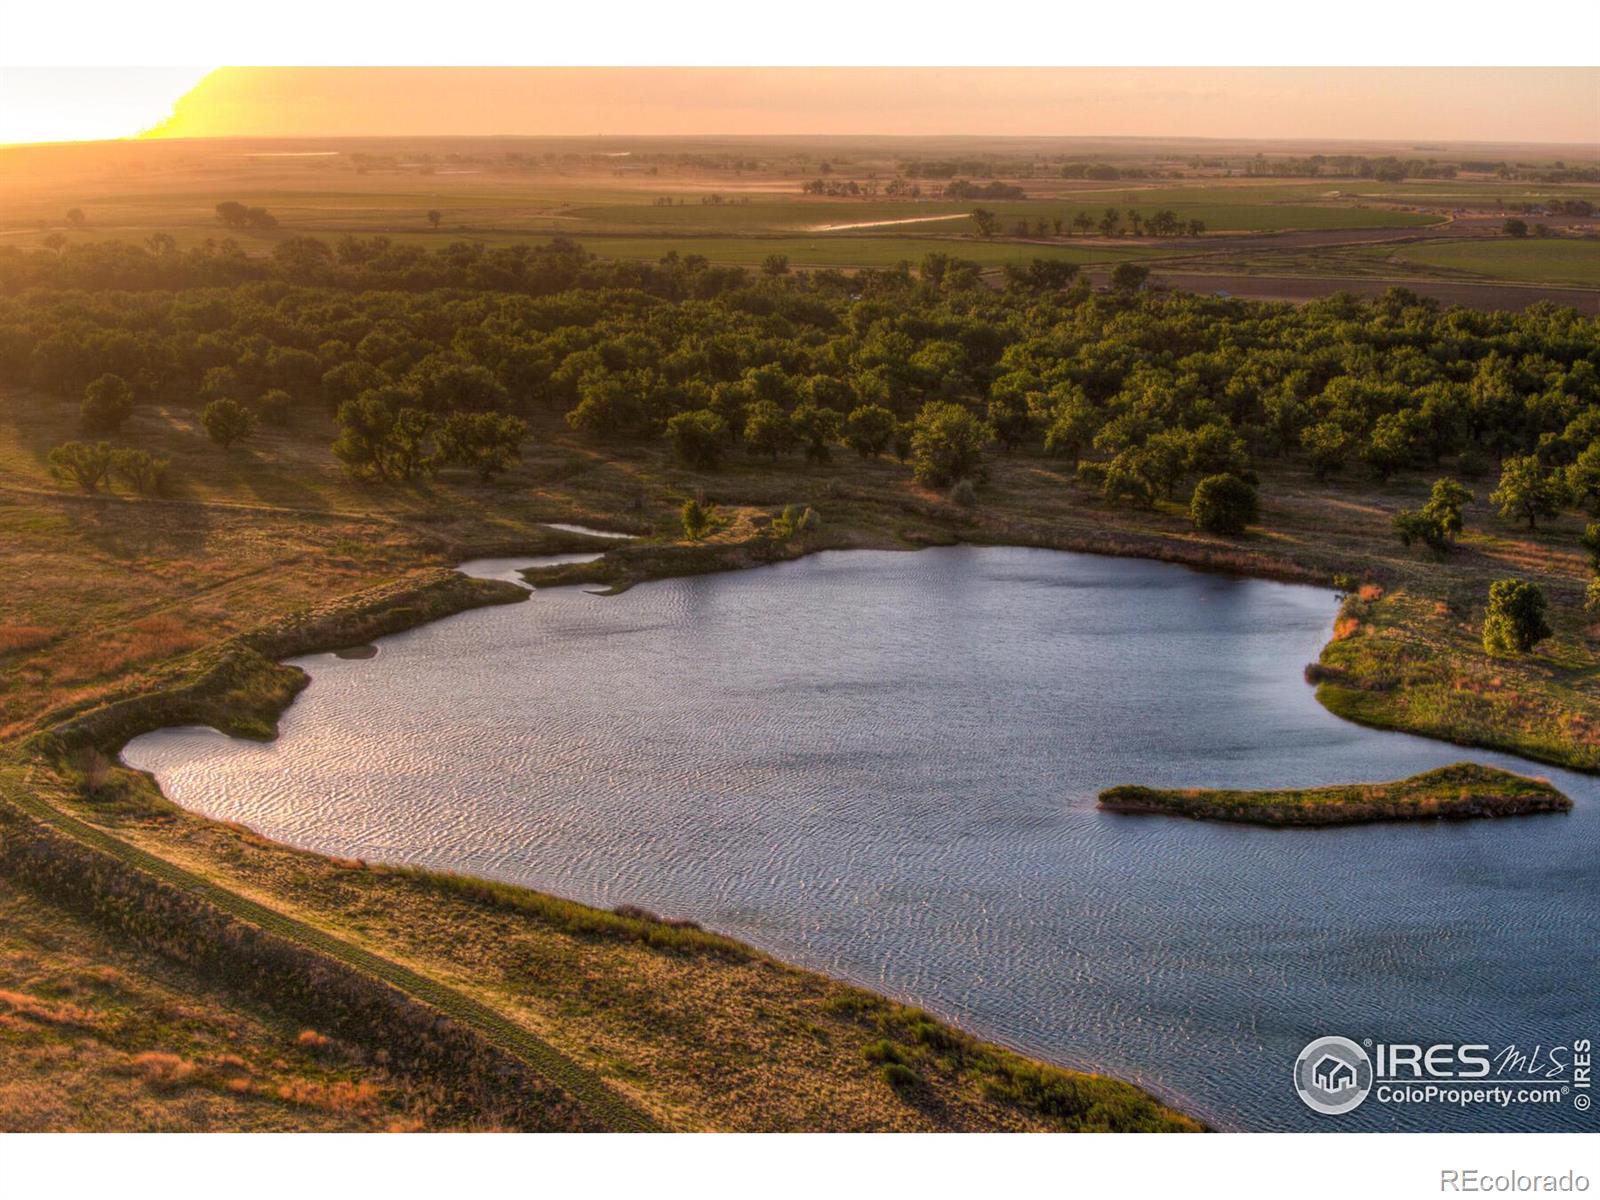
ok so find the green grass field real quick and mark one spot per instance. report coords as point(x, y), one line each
point(840, 251)
point(1561, 260)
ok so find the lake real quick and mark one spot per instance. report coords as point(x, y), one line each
point(884, 766)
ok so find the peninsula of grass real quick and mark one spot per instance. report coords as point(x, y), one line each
point(1457, 792)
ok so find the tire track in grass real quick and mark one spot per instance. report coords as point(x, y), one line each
point(584, 1085)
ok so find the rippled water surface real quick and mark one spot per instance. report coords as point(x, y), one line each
point(884, 766)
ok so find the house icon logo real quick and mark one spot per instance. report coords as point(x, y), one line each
point(1333, 1075)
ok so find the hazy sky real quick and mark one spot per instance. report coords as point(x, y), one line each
point(1456, 104)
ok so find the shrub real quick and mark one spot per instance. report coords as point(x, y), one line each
point(947, 444)
point(870, 429)
point(1591, 543)
point(1223, 504)
point(1515, 621)
point(1591, 597)
point(899, 1077)
point(964, 494)
point(698, 438)
point(882, 1051)
point(81, 463)
point(699, 519)
point(140, 470)
point(107, 403)
point(791, 521)
point(226, 421)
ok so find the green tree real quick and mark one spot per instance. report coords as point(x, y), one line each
point(107, 403)
point(1527, 491)
point(81, 463)
point(1011, 418)
point(1327, 444)
point(486, 442)
point(364, 427)
point(986, 222)
point(140, 470)
point(768, 430)
point(817, 428)
point(774, 265)
point(1591, 543)
point(1129, 277)
point(434, 217)
point(227, 422)
point(699, 519)
point(1515, 227)
point(1515, 622)
point(869, 429)
point(1223, 504)
point(1583, 478)
point(1445, 505)
point(947, 444)
point(698, 438)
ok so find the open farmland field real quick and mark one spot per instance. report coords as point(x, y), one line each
point(1544, 259)
point(735, 202)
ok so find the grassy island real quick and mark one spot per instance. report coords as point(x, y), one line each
point(1456, 792)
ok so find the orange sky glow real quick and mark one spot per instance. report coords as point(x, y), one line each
point(1458, 104)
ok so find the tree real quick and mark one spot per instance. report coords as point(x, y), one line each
point(699, 519)
point(1083, 222)
point(698, 438)
point(1444, 506)
point(869, 429)
point(817, 428)
point(947, 444)
point(55, 240)
point(486, 442)
point(1591, 543)
point(774, 265)
point(1326, 444)
point(1527, 491)
point(1583, 478)
point(140, 470)
point(1515, 227)
point(434, 217)
point(107, 403)
point(76, 219)
point(768, 430)
point(81, 463)
point(986, 222)
point(364, 427)
point(1515, 622)
point(227, 421)
point(1223, 504)
point(1110, 222)
point(1010, 417)
point(1129, 277)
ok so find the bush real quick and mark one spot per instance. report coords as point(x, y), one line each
point(1591, 597)
point(107, 403)
point(699, 519)
point(1591, 543)
point(947, 444)
point(140, 470)
point(899, 1077)
point(870, 429)
point(227, 421)
point(1515, 622)
point(81, 463)
point(882, 1051)
point(1223, 504)
point(964, 494)
point(698, 438)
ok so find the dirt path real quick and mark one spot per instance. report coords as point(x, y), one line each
point(881, 224)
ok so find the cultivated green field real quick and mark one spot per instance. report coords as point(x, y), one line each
point(1565, 260)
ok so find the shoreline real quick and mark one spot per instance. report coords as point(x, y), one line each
point(242, 686)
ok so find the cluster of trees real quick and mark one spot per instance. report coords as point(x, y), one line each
point(1142, 394)
point(1386, 169)
point(965, 189)
point(89, 465)
point(239, 216)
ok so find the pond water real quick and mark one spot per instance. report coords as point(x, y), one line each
point(884, 766)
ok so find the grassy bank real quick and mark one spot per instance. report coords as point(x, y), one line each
point(1455, 792)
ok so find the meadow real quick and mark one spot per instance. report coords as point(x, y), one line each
point(1542, 259)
